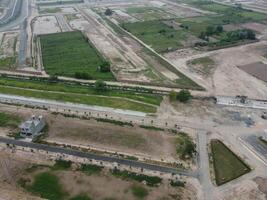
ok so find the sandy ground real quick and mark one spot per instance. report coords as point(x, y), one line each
point(45, 25)
point(227, 78)
point(126, 64)
point(11, 167)
point(104, 185)
point(105, 136)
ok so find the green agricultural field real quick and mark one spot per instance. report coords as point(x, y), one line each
point(158, 35)
point(65, 54)
point(230, 14)
point(227, 165)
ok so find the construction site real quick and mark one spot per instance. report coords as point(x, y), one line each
point(137, 99)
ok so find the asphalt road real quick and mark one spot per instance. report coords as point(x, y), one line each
point(81, 154)
point(254, 141)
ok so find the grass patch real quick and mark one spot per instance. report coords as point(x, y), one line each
point(47, 186)
point(7, 63)
point(139, 191)
point(69, 53)
point(47, 85)
point(90, 169)
point(263, 141)
point(151, 128)
point(81, 99)
point(62, 165)
point(50, 10)
point(81, 197)
point(227, 165)
point(204, 65)
point(161, 37)
point(116, 122)
point(9, 120)
point(185, 147)
point(126, 175)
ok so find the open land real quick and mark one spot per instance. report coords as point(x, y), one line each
point(147, 49)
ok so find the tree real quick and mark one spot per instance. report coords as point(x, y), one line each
point(100, 86)
point(104, 67)
point(173, 95)
point(82, 75)
point(184, 96)
point(219, 29)
point(108, 12)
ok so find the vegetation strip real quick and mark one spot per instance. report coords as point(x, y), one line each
point(227, 165)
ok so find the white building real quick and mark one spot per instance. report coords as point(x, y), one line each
point(32, 127)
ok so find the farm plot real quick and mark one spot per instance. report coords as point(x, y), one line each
point(227, 165)
point(149, 13)
point(231, 14)
point(66, 54)
point(258, 70)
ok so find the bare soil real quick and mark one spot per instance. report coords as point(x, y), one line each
point(258, 69)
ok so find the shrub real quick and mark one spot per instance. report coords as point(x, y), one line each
point(105, 67)
point(173, 95)
point(82, 75)
point(62, 165)
point(139, 191)
point(100, 86)
point(184, 96)
point(150, 180)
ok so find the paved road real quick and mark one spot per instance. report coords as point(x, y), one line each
point(62, 23)
point(257, 145)
point(16, 21)
point(81, 154)
point(203, 160)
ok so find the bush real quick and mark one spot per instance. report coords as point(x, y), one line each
point(173, 95)
point(105, 67)
point(82, 75)
point(108, 12)
point(100, 86)
point(139, 191)
point(62, 165)
point(150, 180)
point(185, 147)
point(177, 183)
point(90, 169)
point(184, 96)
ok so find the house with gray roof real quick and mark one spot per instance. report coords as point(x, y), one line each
point(32, 127)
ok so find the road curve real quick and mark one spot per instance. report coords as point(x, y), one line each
point(87, 155)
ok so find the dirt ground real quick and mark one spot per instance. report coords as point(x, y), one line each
point(227, 79)
point(45, 25)
point(104, 185)
point(105, 136)
point(11, 168)
point(258, 69)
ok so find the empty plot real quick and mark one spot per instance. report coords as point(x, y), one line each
point(258, 70)
point(65, 54)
